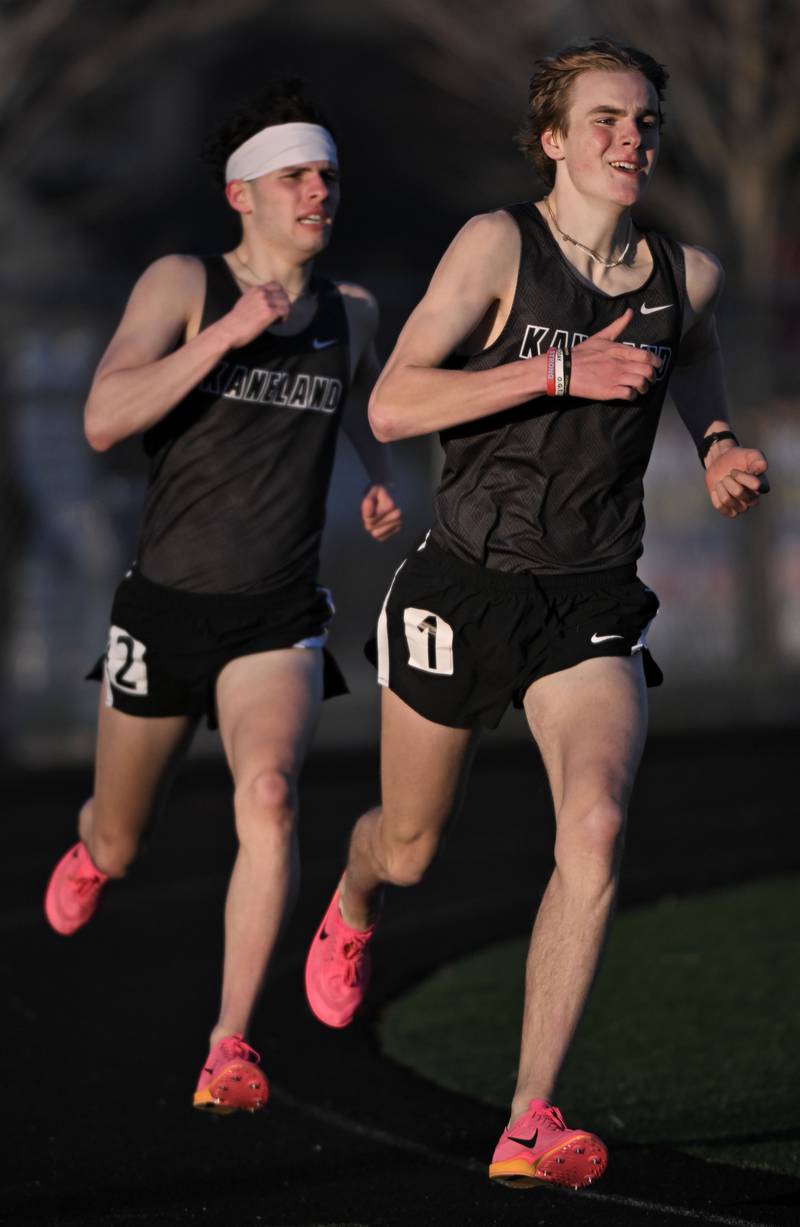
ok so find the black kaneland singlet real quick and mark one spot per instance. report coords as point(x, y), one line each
point(555, 486)
point(240, 468)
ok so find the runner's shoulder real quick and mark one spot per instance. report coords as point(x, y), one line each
point(358, 294)
point(496, 230)
point(705, 277)
point(187, 269)
point(484, 256)
point(173, 279)
point(360, 305)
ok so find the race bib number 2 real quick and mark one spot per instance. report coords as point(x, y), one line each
point(126, 670)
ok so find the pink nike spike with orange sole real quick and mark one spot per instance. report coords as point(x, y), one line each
point(231, 1079)
point(538, 1149)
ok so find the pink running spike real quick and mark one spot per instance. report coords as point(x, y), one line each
point(231, 1078)
point(74, 891)
point(537, 1148)
point(337, 968)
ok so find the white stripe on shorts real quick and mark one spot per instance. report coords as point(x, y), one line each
point(382, 632)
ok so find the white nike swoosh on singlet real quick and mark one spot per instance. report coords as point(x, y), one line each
point(645, 310)
point(601, 638)
point(317, 344)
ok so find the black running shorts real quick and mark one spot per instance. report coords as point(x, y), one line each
point(459, 642)
point(166, 647)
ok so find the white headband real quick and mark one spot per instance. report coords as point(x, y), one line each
point(280, 145)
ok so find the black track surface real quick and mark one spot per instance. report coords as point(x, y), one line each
point(105, 1032)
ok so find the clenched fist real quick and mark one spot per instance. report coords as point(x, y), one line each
point(380, 515)
point(735, 480)
point(258, 307)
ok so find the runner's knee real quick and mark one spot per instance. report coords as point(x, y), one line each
point(265, 804)
point(589, 838)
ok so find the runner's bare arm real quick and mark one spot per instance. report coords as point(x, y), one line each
point(733, 473)
point(157, 354)
point(476, 276)
point(380, 514)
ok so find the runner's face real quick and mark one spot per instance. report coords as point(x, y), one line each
point(611, 143)
point(295, 206)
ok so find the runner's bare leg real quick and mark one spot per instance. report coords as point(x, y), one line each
point(423, 773)
point(136, 760)
point(589, 723)
point(268, 705)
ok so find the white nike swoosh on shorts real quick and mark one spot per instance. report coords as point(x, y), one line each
point(602, 638)
point(645, 310)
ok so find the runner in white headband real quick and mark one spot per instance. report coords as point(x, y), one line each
point(278, 146)
point(240, 368)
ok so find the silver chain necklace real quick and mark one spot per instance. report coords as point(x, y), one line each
point(592, 254)
point(257, 280)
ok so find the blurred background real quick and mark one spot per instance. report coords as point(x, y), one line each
point(103, 110)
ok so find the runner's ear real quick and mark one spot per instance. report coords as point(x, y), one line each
point(237, 194)
point(551, 144)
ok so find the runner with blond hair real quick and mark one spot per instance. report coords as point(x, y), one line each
point(541, 352)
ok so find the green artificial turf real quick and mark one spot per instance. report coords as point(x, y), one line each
point(691, 1039)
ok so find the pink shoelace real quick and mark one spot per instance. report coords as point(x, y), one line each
point(353, 952)
point(234, 1048)
point(552, 1114)
point(85, 883)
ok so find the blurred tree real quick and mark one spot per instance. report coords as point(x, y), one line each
point(63, 63)
point(65, 165)
point(733, 64)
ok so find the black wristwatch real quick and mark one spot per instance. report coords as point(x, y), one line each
point(708, 441)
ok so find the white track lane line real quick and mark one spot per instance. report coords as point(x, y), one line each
point(327, 1117)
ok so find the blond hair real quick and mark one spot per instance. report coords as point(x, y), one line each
point(549, 95)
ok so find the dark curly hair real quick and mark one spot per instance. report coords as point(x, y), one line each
point(549, 96)
point(284, 101)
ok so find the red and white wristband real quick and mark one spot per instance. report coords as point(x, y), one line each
point(559, 368)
